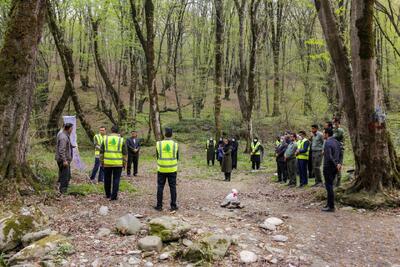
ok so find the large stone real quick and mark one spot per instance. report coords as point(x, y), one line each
point(248, 257)
point(14, 226)
point(32, 237)
point(210, 247)
point(48, 247)
point(128, 225)
point(150, 243)
point(274, 221)
point(169, 228)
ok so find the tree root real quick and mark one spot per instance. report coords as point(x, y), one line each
point(367, 200)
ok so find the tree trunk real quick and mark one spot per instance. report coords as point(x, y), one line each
point(219, 43)
point(67, 63)
point(17, 58)
point(376, 162)
point(148, 48)
point(118, 103)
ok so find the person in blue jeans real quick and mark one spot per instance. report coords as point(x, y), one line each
point(303, 154)
point(98, 140)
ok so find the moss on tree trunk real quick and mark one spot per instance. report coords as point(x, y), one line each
point(17, 58)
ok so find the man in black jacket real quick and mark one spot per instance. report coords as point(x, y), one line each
point(280, 159)
point(133, 145)
point(333, 157)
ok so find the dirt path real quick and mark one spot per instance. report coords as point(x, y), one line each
point(344, 238)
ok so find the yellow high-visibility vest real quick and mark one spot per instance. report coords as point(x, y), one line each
point(306, 154)
point(254, 147)
point(113, 156)
point(98, 139)
point(167, 161)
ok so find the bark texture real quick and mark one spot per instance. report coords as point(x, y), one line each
point(17, 58)
point(376, 162)
point(219, 42)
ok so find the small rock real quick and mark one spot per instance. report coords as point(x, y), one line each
point(248, 257)
point(268, 226)
point(48, 264)
point(103, 210)
point(150, 243)
point(274, 261)
point(133, 261)
point(134, 252)
point(164, 256)
point(103, 232)
point(128, 225)
point(273, 220)
point(285, 216)
point(187, 242)
point(96, 263)
point(280, 238)
point(148, 264)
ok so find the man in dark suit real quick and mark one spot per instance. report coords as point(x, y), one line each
point(133, 145)
point(333, 158)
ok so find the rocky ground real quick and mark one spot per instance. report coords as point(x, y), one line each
point(303, 235)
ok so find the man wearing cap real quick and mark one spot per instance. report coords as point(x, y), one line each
point(167, 167)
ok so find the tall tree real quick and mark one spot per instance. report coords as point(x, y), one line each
point(17, 58)
point(219, 43)
point(376, 162)
point(148, 48)
point(67, 63)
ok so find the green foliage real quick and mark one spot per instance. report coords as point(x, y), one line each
point(2, 260)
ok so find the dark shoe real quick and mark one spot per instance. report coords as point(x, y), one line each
point(113, 199)
point(135, 174)
point(157, 208)
point(327, 209)
point(173, 209)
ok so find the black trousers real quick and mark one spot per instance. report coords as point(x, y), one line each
point(112, 177)
point(282, 171)
point(64, 176)
point(161, 180)
point(132, 158)
point(255, 162)
point(329, 175)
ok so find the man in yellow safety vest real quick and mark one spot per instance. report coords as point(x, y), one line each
point(302, 154)
point(255, 154)
point(97, 141)
point(113, 157)
point(167, 167)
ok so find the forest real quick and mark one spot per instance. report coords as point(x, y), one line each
point(206, 69)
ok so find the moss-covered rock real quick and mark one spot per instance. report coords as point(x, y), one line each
point(210, 247)
point(169, 228)
point(51, 247)
point(14, 226)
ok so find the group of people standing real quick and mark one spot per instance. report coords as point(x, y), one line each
point(113, 153)
point(303, 155)
point(226, 153)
